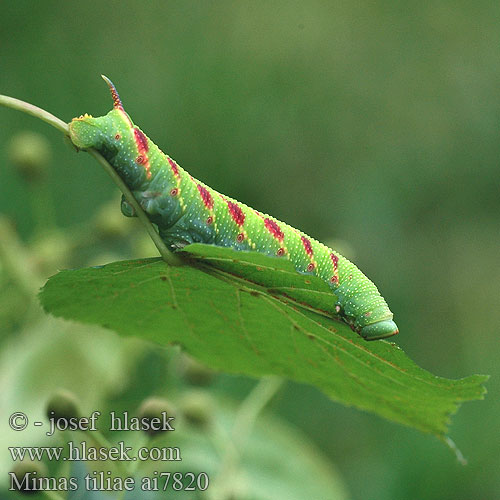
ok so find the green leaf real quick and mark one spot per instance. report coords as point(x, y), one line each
point(273, 275)
point(235, 318)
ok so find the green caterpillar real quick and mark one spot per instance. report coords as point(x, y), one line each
point(187, 211)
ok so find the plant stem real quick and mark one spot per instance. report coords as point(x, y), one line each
point(244, 421)
point(40, 113)
point(252, 405)
point(30, 109)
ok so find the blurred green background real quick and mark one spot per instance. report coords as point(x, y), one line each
point(373, 126)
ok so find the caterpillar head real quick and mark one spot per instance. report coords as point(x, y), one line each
point(85, 132)
point(379, 330)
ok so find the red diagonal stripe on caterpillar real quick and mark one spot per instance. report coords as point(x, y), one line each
point(173, 166)
point(205, 196)
point(309, 251)
point(176, 191)
point(307, 245)
point(335, 261)
point(238, 217)
point(141, 142)
point(209, 204)
point(274, 229)
point(236, 213)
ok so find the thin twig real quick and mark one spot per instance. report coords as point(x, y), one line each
point(251, 407)
point(31, 109)
point(245, 419)
point(40, 113)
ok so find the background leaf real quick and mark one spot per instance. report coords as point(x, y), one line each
point(259, 471)
point(231, 325)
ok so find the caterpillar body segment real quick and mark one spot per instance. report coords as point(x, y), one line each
point(188, 211)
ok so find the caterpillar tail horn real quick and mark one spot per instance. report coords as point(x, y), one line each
point(117, 103)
